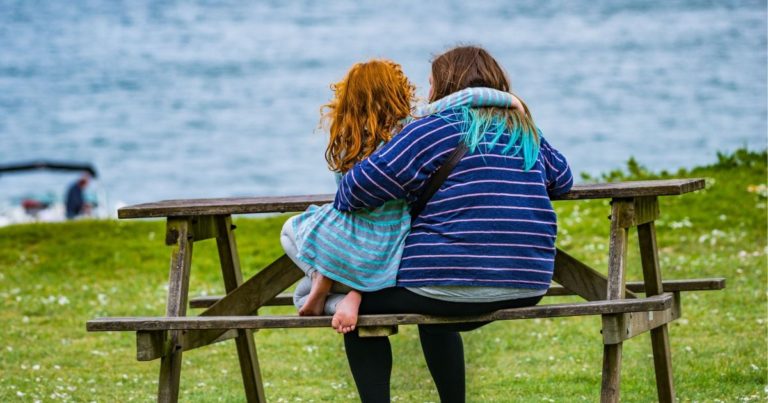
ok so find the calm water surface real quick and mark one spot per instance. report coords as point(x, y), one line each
point(208, 99)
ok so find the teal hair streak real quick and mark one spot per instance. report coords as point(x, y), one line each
point(479, 128)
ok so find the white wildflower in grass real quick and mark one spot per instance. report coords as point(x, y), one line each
point(336, 386)
point(9, 348)
point(102, 298)
point(20, 394)
point(684, 223)
point(25, 319)
point(754, 367)
point(36, 367)
point(688, 349)
point(63, 300)
point(310, 349)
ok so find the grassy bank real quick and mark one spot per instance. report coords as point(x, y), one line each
point(54, 277)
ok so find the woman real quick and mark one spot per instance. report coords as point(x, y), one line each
point(484, 242)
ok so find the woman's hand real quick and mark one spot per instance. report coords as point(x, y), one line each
point(517, 104)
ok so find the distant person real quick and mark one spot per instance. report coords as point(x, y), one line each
point(75, 200)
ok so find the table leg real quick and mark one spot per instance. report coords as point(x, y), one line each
point(246, 349)
point(662, 356)
point(617, 259)
point(178, 235)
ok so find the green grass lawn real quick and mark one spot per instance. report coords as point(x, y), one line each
point(54, 277)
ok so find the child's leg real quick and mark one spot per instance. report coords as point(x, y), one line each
point(315, 302)
point(345, 318)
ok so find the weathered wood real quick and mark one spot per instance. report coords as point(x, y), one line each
point(148, 349)
point(638, 211)
point(248, 297)
point(621, 212)
point(151, 345)
point(616, 330)
point(655, 303)
point(377, 331)
point(646, 209)
point(580, 279)
point(178, 289)
point(662, 354)
point(205, 302)
point(281, 204)
point(696, 284)
point(230, 270)
point(199, 228)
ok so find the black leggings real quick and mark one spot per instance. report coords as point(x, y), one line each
point(370, 358)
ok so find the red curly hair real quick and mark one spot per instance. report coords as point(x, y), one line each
point(368, 107)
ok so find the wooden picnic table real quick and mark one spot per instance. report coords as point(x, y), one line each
point(624, 313)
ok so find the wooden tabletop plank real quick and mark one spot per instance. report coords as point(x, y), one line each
point(282, 204)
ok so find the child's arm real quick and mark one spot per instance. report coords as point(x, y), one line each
point(472, 97)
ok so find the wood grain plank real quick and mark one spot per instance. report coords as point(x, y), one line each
point(248, 297)
point(662, 353)
point(178, 290)
point(282, 204)
point(655, 303)
point(621, 214)
point(233, 278)
point(632, 324)
point(580, 279)
point(696, 284)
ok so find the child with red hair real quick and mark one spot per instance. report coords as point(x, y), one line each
point(362, 250)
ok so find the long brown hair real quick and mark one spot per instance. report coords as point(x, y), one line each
point(472, 66)
point(368, 107)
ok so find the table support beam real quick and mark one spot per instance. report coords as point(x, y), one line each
point(581, 279)
point(178, 289)
point(233, 278)
point(617, 328)
point(248, 297)
point(662, 354)
point(621, 217)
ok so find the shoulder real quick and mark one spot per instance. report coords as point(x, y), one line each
point(435, 123)
point(426, 121)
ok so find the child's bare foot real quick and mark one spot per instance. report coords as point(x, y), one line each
point(345, 319)
point(315, 304)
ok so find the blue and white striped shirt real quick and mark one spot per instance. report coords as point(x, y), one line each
point(491, 223)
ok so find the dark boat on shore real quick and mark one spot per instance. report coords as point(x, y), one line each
point(43, 204)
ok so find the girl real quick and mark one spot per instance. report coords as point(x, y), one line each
point(361, 250)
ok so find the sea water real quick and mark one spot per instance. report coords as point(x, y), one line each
point(221, 98)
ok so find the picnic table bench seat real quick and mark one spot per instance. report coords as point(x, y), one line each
point(624, 312)
point(697, 284)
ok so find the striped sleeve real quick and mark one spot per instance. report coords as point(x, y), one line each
point(558, 173)
point(399, 168)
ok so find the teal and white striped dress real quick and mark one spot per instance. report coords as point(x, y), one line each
point(362, 250)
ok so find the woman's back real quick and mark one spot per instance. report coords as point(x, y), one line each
point(491, 222)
